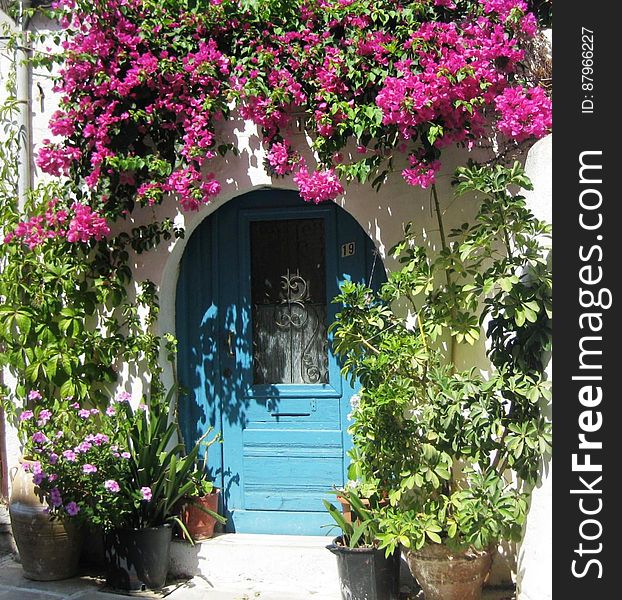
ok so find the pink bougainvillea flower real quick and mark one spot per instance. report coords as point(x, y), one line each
point(421, 173)
point(86, 224)
point(503, 8)
point(318, 186)
point(280, 158)
point(140, 111)
point(88, 469)
point(57, 160)
point(146, 493)
point(34, 395)
point(525, 113)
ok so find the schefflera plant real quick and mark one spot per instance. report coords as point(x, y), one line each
point(455, 453)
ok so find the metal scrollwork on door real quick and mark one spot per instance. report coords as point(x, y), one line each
point(288, 291)
point(295, 293)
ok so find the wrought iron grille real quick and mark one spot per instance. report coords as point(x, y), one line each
point(288, 295)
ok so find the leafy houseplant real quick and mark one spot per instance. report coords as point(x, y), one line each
point(365, 571)
point(436, 440)
point(199, 508)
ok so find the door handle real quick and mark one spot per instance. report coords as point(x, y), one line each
point(231, 344)
point(290, 414)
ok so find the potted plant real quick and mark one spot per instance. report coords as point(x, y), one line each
point(365, 571)
point(47, 533)
point(455, 451)
point(49, 548)
point(137, 548)
point(122, 470)
point(199, 508)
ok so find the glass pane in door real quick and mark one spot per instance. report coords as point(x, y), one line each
point(288, 295)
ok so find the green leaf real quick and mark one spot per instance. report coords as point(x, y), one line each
point(434, 536)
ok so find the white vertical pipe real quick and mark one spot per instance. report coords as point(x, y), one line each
point(24, 100)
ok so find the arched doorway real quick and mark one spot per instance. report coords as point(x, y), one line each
point(253, 308)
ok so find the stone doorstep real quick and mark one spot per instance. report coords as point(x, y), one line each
point(275, 563)
point(271, 566)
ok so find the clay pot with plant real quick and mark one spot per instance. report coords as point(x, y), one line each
point(47, 532)
point(455, 452)
point(198, 509)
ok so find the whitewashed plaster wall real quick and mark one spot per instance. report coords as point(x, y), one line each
point(382, 216)
point(534, 577)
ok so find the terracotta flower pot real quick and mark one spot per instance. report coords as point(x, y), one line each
point(48, 549)
point(346, 507)
point(200, 525)
point(447, 575)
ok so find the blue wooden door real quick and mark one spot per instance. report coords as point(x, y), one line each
point(253, 307)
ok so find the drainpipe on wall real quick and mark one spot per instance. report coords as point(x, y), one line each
point(24, 102)
point(24, 174)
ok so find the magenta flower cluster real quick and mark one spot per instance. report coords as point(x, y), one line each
point(421, 173)
point(524, 113)
point(281, 158)
point(318, 186)
point(142, 94)
point(80, 223)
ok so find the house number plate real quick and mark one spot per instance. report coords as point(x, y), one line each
point(348, 249)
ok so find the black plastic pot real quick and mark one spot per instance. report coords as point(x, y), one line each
point(365, 573)
point(137, 559)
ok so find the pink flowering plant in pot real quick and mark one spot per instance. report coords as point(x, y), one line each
point(80, 461)
point(116, 468)
point(121, 469)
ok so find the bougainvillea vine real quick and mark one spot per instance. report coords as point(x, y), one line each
point(144, 83)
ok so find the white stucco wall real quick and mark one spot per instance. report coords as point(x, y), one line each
point(381, 216)
point(534, 577)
